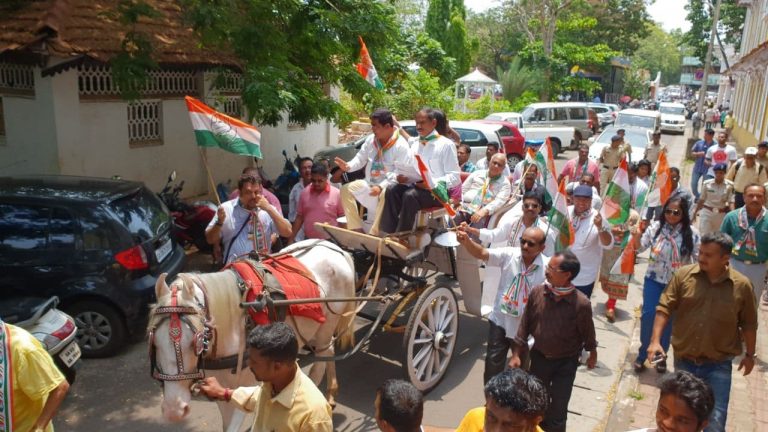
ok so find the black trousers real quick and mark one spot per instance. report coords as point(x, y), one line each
point(738, 199)
point(496, 352)
point(401, 206)
point(558, 376)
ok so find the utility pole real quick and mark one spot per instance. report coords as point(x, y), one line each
point(707, 66)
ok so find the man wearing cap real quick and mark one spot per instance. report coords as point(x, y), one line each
point(577, 167)
point(716, 200)
point(610, 158)
point(722, 153)
point(590, 238)
point(700, 168)
point(744, 172)
point(762, 153)
point(748, 228)
point(521, 166)
point(491, 149)
point(654, 148)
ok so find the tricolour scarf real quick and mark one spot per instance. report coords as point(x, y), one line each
point(666, 248)
point(749, 239)
point(431, 137)
point(6, 380)
point(559, 291)
point(514, 300)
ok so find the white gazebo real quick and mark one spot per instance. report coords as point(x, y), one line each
point(475, 80)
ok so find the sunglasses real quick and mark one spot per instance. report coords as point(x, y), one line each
point(524, 242)
point(530, 206)
point(673, 212)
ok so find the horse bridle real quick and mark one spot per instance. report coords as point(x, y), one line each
point(201, 340)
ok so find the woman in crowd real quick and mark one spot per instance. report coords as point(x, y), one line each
point(674, 243)
point(616, 285)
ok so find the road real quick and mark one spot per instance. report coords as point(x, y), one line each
point(119, 394)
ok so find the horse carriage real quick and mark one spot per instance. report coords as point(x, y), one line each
point(197, 327)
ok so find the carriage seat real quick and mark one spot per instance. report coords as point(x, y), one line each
point(426, 215)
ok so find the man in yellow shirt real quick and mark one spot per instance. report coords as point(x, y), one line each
point(515, 401)
point(287, 401)
point(31, 386)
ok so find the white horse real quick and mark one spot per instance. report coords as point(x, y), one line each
point(182, 345)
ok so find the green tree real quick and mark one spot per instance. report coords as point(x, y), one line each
point(419, 89)
point(456, 43)
point(634, 84)
point(430, 55)
point(516, 79)
point(446, 23)
point(659, 51)
point(497, 39)
point(730, 26)
point(620, 24)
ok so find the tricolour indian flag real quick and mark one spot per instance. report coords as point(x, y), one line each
point(545, 161)
point(659, 186)
point(439, 188)
point(617, 199)
point(366, 69)
point(625, 264)
point(214, 129)
point(558, 219)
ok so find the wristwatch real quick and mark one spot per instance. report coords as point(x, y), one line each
point(752, 355)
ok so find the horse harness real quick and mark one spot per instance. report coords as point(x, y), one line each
point(203, 340)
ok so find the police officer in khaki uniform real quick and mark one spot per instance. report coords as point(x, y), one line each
point(610, 158)
point(716, 200)
point(654, 148)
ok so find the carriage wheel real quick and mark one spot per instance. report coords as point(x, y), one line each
point(430, 337)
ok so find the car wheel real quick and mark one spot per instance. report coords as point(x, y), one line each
point(101, 331)
point(513, 160)
point(555, 147)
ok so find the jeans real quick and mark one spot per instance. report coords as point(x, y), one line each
point(651, 294)
point(558, 376)
point(695, 181)
point(718, 376)
point(587, 289)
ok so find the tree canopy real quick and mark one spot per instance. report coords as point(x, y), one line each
point(660, 51)
point(729, 27)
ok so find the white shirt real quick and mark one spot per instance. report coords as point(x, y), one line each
point(510, 229)
point(236, 217)
point(368, 156)
point(473, 185)
point(637, 189)
point(511, 262)
point(597, 202)
point(587, 247)
point(483, 164)
point(716, 154)
point(440, 157)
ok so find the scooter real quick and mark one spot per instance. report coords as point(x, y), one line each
point(189, 220)
point(53, 328)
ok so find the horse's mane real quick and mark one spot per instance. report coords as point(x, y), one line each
point(223, 301)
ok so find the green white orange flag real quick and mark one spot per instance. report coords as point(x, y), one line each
point(617, 199)
point(366, 69)
point(625, 264)
point(439, 188)
point(545, 161)
point(659, 186)
point(559, 220)
point(214, 129)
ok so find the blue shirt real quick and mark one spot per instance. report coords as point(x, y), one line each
point(701, 146)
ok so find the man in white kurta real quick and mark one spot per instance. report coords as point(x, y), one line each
point(591, 237)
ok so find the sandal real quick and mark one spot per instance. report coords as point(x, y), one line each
point(610, 315)
point(661, 367)
point(638, 366)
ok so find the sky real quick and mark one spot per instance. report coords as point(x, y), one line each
point(669, 13)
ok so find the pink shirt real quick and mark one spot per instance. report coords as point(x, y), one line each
point(271, 198)
point(574, 171)
point(322, 206)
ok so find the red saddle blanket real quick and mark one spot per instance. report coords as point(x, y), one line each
point(295, 281)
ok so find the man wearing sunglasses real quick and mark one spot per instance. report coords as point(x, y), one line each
point(484, 192)
point(521, 269)
point(318, 203)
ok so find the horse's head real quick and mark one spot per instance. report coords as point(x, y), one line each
point(177, 342)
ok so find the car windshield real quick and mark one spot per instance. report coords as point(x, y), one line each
point(142, 213)
point(672, 110)
point(636, 120)
point(528, 112)
point(494, 117)
point(635, 138)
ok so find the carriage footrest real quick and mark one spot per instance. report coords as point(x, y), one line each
point(414, 257)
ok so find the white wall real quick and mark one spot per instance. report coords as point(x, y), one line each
point(30, 143)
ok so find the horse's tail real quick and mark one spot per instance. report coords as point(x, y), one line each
point(345, 327)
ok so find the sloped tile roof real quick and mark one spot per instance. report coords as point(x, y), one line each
point(71, 28)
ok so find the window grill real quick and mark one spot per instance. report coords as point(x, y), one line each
point(17, 79)
point(227, 82)
point(96, 81)
point(230, 105)
point(145, 122)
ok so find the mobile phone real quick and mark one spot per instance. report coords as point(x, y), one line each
point(658, 358)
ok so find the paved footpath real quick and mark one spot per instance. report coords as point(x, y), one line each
point(635, 396)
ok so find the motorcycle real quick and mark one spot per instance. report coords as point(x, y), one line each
point(285, 181)
point(189, 220)
point(52, 327)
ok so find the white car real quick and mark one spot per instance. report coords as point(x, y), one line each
point(637, 137)
point(563, 137)
point(672, 117)
point(476, 135)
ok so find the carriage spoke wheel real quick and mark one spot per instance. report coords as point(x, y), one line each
point(430, 337)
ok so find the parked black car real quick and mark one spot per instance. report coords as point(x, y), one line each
point(97, 244)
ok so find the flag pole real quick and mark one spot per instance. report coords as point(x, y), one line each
point(210, 177)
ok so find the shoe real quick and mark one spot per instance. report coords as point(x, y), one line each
point(610, 315)
point(764, 299)
point(661, 367)
point(638, 366)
